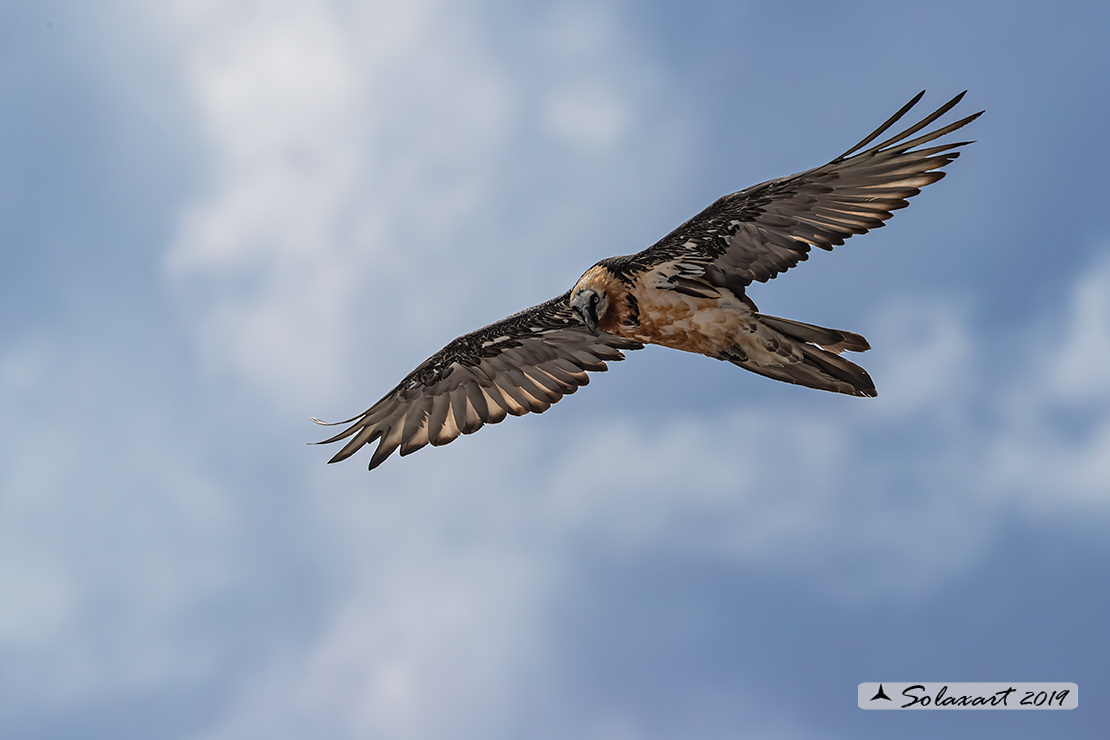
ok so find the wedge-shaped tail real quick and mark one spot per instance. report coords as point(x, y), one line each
point(810, 355)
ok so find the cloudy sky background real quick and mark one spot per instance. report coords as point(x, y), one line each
point(220, 218)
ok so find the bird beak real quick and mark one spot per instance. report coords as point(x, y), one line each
point(585, 312)
point(588, 319)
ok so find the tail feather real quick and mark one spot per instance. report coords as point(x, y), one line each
point(833, 340)
point(808, 355)
point(841, 369)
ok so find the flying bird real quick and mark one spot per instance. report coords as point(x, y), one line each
point(688, 292)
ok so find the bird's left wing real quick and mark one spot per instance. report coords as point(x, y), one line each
point(761, 231)
point(523, 363)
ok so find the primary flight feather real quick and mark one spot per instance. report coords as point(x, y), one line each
point(686, 292)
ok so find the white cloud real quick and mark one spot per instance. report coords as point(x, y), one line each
point(331, 144)
point(1079, 367)
point(421, 632)
point(584, 114)
point(360, 157)
point(1053, 453)
point(926, 356)
point(590, 103)
point(276, 96)
point(110, 538)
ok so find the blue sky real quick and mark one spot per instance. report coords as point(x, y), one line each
point(218, 219)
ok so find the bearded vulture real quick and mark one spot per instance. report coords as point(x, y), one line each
point(687, 292)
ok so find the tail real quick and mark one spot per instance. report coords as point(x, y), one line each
point(807, 355)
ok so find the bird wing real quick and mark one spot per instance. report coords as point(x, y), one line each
point(758, 232)
point(523, 363)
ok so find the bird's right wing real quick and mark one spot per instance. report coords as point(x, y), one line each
point(523, 363)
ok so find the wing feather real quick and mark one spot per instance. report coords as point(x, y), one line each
point(441, 424)
point(495, 404)
point(519, 403)
point(390, 441)
point(466, 417)
point(415, 432)
point(535, 398)
point(764, 230)
point(544, 382)
point(568, 382)
point(476, 399)
point(523, 363)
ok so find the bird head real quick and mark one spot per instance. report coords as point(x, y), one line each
point(590, 299)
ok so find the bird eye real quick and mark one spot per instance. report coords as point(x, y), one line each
point(594, 299)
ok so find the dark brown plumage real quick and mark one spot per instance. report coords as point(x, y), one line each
point(686, 292)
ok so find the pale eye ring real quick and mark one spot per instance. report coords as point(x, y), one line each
point(594, 299)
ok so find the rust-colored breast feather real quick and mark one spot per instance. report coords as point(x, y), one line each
point(689, 323)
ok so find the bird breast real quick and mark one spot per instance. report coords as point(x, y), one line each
point(708, 326)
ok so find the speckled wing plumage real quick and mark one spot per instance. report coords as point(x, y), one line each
point(523, 363)
point(761, 231)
